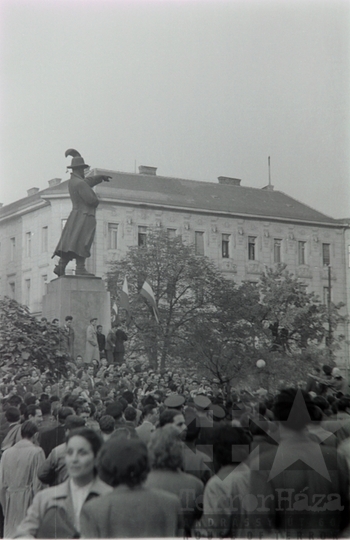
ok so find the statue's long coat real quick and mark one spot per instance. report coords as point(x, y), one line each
point(79, 231)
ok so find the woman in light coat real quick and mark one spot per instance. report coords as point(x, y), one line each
point(91, 349)
point(19, 477)
point(55, 512)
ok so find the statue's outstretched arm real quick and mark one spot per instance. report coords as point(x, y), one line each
point(97, 179)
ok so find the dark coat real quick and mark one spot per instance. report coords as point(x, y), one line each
point(79, 231)
point(131, 513)
point(120, 337)
point(50, 438)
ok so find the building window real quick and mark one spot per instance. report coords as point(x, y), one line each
point(142, 236)
point(199, 242)
point(28, 244)
point(112, 235)
point(171, 233)
point(27, 292)
point(225, 246)
point(12, 248)
point(251, 248)
point(326, 296)
point(301, 252)
point(277, 250)
point(12, 290)
point(43, 284)
point(326, 254)
point(44, 239)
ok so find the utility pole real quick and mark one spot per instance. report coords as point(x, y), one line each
point(330, 332)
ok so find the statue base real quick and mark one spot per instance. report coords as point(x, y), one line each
point(82, 297)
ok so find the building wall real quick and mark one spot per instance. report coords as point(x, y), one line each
point(37, 266)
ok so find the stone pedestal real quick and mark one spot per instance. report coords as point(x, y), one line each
point(83, 298)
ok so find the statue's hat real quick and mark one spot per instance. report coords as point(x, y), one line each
point(77, 160)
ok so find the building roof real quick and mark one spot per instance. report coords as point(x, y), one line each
point(191, 195)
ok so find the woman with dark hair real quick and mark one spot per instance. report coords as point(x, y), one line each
point(55, 512)
point(166, 457)
point(131, 510)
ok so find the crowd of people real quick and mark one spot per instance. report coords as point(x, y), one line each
point(118, 450)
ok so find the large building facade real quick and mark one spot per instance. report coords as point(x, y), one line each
point(241, 229)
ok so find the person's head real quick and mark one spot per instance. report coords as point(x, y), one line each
point(176, 418)
point(150, 413)
point(107, 425)
point(73, 422)
point(336, 373)
point(29, 430)
point(45, 407)
point(90, 370)
point(123, 461)
point(79, 360)
point(12, 415)
point(343, 404)
point(83, 445)
point(128, 396)
point(104, 361)
point(93, 322)
point(55, 322)
point(115, 410)
point(82, 408)
point(69, 320)
point(165, 449)
point(34, 414)
point(30, 399)
point(327, 370)
point(14, 401)
point(63, 412)
point(109, 376)
point(284, 402)
point(99, 328)
point(230, 445)
point(130, 414)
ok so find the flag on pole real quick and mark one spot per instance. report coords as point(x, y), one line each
point(148, 294)
point(124, 299)
point(114, 312)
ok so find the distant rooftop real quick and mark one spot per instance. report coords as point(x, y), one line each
point(225, 197)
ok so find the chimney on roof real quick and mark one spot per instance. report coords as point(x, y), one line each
point(32, 191)
point(144, 169)
point(269, 187)
point(228, 181)
point(55, 182)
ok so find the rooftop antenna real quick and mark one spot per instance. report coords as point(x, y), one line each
point(135, 167)
point(269, 165)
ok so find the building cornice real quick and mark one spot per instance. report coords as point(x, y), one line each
point(21, 211)
point(223, 213)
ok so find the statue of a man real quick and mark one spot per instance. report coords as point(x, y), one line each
point(79, 231)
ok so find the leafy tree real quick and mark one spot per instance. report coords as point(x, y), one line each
point(184, 286)
point(25, 339)
point(295, 318)
point(209, 323)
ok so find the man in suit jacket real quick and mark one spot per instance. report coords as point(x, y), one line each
point(119, 348)
point(67, 336)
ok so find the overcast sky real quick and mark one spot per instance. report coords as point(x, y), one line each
point(198, 89)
